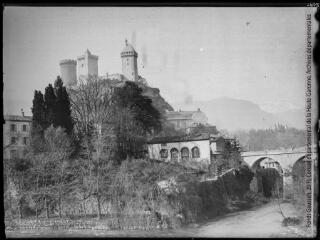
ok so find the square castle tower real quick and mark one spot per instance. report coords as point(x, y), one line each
point(87, 65)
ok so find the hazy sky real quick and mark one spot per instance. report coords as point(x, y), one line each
point(255, 54)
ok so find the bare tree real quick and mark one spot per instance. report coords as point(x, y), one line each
point(51, 176)
point(92, 109)
point(59, 147)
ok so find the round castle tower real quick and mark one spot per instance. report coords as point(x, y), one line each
point(68, 70)
point(129, 62)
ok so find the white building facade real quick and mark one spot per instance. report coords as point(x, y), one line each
point(202, 150)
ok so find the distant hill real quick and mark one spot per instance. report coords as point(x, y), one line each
point(294, 118)
point(233, 114)
point(224, 113)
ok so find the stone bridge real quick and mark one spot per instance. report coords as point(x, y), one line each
point(284, 160)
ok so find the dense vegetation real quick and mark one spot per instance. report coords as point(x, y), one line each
point(135, 198)
point(52, 108)
point(267, 139)
point(87, 159)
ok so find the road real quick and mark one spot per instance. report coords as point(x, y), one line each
point(262, 221)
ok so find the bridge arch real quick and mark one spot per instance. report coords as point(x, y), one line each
point(269, 162)
point(298, 169)
point(289, 160)
point(268, 176)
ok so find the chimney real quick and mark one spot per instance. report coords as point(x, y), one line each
point(22, 112)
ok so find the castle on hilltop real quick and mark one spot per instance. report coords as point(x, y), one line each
point(86, 65)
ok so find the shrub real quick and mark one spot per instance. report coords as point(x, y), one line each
point(291, 221)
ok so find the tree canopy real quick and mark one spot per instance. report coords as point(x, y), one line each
point(273, 138)
point(52, 108)
point(62, 109)
point(135, 119)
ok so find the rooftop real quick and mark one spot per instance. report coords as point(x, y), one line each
point(17, 118)
point(181, 114)
point(128, 49)
point(184, 138)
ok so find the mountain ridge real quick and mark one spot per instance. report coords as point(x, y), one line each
point(234, 114)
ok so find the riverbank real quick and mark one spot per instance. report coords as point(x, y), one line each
point(260, 221)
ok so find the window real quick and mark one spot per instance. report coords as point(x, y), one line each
point(164, 153)
point(13, 154)
point(185, 154)
point(12, 127)
point(174, 154)
point(13, 140)
point(195, 152)
point(24, 128)
point(25, 140)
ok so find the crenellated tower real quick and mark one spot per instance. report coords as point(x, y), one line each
point(68, 71)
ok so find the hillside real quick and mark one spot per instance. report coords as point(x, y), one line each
point(233, 114)
point(157, 100)
point(293, 118)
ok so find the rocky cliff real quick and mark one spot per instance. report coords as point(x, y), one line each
point(153, 93)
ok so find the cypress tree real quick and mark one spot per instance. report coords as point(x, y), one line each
point(50, 105)
point(51, 108)
point(62, 107)
point(38, 114)
point(39, 122)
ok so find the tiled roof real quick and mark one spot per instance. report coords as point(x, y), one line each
point(17, 118)
point(187, 138)
point(184, 138)
point(128, 48)
point(180, 114)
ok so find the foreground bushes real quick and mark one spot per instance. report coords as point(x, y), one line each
point(182, 200)
point(136, 200)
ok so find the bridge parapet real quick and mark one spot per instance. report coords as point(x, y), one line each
point(278, 151)
point(285, 159)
